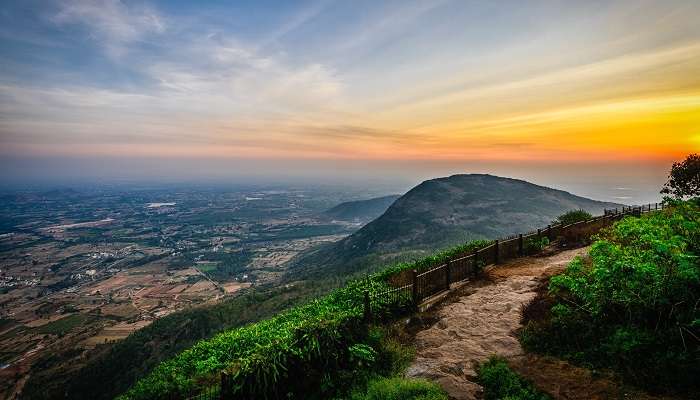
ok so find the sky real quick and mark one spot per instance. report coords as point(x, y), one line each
point(592, 96)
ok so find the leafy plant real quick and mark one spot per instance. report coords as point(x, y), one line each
point(535, 244)
point(362, 354)
point(291, 354)
point(399, 388)
point(500, 382)
point(632, 305)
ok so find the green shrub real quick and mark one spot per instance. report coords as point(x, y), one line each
point(535, 244)
point(399, 388)
point(572, 217)
point(313, 351)
point(299, 351)
point(500, 382)
point(633, 306)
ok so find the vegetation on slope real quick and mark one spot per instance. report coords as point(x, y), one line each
point(500, 382)
point(398, 388)
point(298, 352)
point(634, 305)
point(123, 363)
point(317, 349)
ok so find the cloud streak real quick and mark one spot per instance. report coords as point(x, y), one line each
point(328, 80)
point(111, 22)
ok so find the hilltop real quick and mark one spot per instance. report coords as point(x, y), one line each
point(443, 212)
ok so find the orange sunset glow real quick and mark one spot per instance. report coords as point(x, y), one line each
point(498, 83)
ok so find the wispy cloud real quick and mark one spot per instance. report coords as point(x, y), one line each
point(299, 19)
point(167, 79)
point(112, 23)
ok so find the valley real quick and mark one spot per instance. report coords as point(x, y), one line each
point(83, 269)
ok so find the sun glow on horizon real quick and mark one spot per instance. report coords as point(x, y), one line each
point(325, 81)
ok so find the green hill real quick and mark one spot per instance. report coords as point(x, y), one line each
point(443, 212)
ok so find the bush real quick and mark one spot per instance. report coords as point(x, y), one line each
point(500, 382)
point(316, 348)
point(572, 217)
point(399, 388)
point(535, 245)
point(633, 306)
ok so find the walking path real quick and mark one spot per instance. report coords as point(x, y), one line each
point(481, 321)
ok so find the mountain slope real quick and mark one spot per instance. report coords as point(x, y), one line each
point(361, 210)
point(446, 211)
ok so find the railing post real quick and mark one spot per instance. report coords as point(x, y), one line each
point(368, 307)
point(521, 250)
point(476, 262)
point(539, 233)
point(448, 278)
point(656, 206)
point(496, 253)
point(549, 232)
point(414, 274)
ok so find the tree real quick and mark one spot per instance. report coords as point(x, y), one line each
point(684, 178)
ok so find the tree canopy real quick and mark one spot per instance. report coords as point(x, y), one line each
point(684, 178)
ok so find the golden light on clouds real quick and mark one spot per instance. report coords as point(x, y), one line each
point(533, 83)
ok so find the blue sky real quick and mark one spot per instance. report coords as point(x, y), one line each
point(276, 85)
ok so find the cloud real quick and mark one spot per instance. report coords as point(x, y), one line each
point(389, 24)
point(230, 78)
point(111, 22)
point(299, 19)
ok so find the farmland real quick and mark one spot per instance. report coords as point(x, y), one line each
point(83, 268)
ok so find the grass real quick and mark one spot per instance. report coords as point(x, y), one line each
point(399, 388)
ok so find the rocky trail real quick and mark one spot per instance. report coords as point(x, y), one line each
point(480, 319)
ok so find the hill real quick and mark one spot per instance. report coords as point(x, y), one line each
point(361, 210)
point(443, 212)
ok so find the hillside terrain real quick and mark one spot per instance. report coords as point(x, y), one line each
point(327, 349)
point(361, 211)
point(81, 269)
point(443, 212)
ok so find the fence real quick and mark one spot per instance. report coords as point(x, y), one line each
point(417, 285)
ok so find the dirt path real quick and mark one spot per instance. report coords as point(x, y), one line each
point(480, 319)
point(481, 322)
